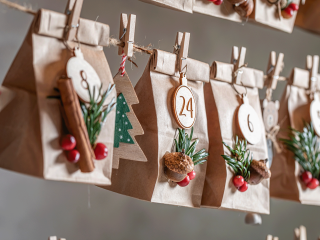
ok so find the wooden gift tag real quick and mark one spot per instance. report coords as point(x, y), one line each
point(270, 114)
point(127, 124)
point(315, 113)
point(248, 121)
point(83, 76)
point(183, 104)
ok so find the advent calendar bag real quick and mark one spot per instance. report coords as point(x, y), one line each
point(31, 123)
point(155, 90)
point(180, 5)
point(224, 106)
point(308, 16)
point(295, 106)
point(225, 10)
point(267, 14)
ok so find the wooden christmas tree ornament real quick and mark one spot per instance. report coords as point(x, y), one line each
point(183, 101)
point(127, 125)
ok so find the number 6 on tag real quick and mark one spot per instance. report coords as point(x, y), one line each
point(183, 104)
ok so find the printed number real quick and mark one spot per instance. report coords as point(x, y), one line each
point(189, 107)
point(250, 124)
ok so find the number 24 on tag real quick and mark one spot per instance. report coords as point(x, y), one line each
point(184, 108)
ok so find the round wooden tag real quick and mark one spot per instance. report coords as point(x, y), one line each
point(270, 114)
point(184, 107)
point(83, 76)
point(315, 114)
point(249, 123)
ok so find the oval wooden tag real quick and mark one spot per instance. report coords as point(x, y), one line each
point(80, 71)
point(249, 122)
point(184, 107)
point(270, 114)
point(315, 114)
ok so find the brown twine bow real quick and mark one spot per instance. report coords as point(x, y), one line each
point(272, 135)
point(279, 10)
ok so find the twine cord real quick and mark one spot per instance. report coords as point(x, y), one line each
point(112, 41)
point(123, 64)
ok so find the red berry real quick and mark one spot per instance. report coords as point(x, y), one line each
point(244, 187)
point(73, 156)
point(314, 183)
point(192, 175)
point(68, 142)
point(185, 182)
point(306, 177)
point(218, 2)
point(294, 6)
point(238, 181)
point(287, 12)
point(100, 151)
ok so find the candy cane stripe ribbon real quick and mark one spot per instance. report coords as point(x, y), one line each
point(123, 64)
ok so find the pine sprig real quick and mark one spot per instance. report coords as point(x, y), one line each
point(189, 145)
point(95, 113)
point(306, 148)
point(240, 159)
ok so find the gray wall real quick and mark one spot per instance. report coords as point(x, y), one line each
point(34, 209)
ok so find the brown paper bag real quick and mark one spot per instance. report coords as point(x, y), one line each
point(225, 10)
point(31, 125)
point(286, 172)
point(308, 16)
point(146, 180)
point(267, 14)
point(222, 103)
point(180, 5)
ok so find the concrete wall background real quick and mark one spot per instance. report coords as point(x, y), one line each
point(34, 209)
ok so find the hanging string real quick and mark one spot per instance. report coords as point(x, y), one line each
point(123, 64)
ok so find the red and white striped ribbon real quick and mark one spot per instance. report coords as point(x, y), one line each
point(123, 64)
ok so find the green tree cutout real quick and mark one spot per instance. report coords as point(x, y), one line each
point(123, 124)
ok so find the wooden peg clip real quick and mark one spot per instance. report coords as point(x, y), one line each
point(274, 69)
point(313, 67)
point(73, 11)
point(53, 238)
point(237, 60)
point(270, 237)
point(300, 233)
point(126, 34)
point(182, 42)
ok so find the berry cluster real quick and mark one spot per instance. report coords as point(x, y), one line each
point(185, 182)
point(68, 143)
point(216, 2)
point(288, 11)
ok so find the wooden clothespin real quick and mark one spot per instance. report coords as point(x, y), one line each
point(182, 45)
point(237, 60)
point(270, 237)
point(274, 69)
point(73, 11)
point(300, 233)
point(55, 238)
point(126, 34)
point(313, 67)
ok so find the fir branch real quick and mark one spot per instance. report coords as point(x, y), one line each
point(240, 158)
point(189, 145)
point(95, 113)
point(305, 147)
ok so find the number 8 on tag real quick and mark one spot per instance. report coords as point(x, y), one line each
point(183, 103)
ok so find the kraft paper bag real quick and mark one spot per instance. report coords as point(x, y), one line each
point(267, 14)
point(308, 16)
point(286, 172)
point(225, 10)
point(31, 124)
point(180, 5)
point(222, 103)
point(146, 180)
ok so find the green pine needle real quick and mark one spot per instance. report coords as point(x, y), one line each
point(240, 159)
point(189, 145)
point(95, 113)
point(306, 148)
